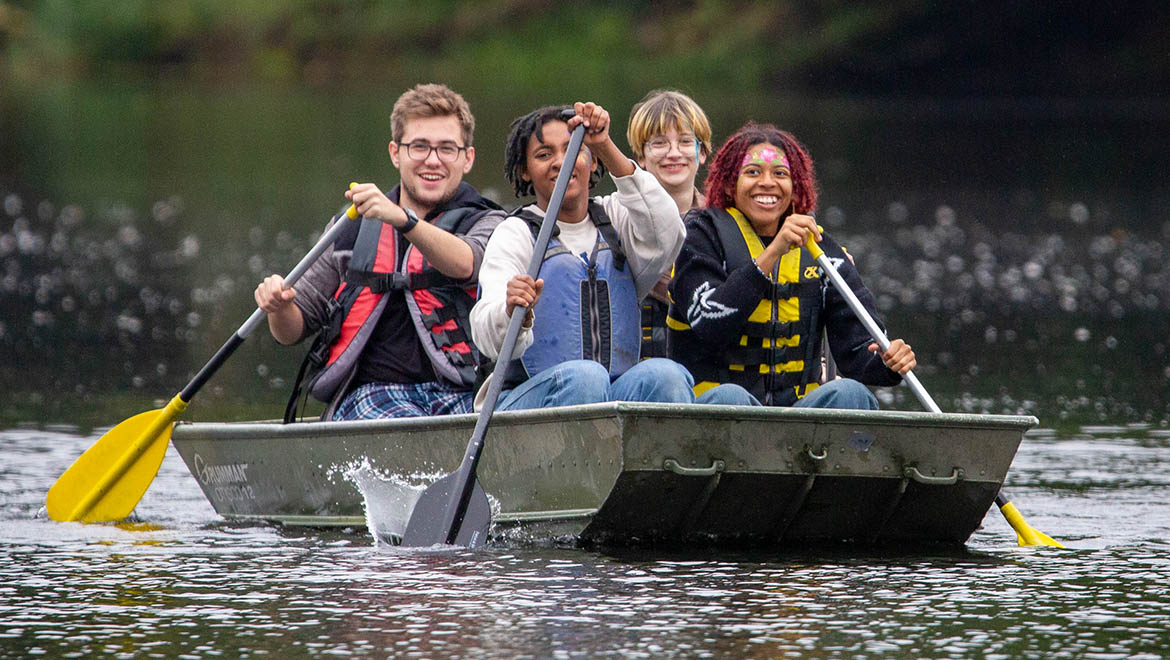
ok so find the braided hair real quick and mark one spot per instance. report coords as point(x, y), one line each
point(723, 172)
point(516, 147)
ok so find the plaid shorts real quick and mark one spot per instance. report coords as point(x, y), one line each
point(382, 400)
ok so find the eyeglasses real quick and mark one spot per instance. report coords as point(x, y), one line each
point(420, 150)
point(660, 146)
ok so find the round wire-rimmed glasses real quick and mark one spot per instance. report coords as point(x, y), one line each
point(659, 146)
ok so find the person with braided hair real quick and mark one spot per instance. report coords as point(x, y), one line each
point(581, 336)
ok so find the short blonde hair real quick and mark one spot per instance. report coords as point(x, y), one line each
point(661, 110)
point(431, 100)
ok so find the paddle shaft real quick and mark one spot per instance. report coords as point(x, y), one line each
point(259, 315)
point(866, 319)
point(1028, 535)
point(461, 495)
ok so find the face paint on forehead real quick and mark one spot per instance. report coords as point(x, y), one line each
point(766, 156)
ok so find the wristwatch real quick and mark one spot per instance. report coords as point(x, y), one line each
point(411, 221)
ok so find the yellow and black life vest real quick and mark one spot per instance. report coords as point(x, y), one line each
point(776, 355)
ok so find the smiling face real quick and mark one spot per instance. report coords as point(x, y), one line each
point(673, 158)
point(763, 191)
point(543, 163)
point(430, 183)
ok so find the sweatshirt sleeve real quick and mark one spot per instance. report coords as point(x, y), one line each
point(716, 303)
point(648, 223)
point(507, 254)
point(318, 286)
point(848, 339)
point(477, 238)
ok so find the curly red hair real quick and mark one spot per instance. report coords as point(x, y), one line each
point(723, 172)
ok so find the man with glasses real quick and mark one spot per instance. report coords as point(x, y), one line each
point(390, 299)
point(670, 137)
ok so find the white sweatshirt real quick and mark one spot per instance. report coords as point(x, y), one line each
point(646, 220)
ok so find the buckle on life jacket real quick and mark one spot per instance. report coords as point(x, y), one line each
point(379, 282)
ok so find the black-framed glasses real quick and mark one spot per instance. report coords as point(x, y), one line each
point(420, 150)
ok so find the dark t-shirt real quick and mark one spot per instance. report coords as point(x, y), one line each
point(394, 353)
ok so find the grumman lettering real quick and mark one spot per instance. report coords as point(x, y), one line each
point(227, 473)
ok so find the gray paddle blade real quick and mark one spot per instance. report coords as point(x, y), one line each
point(427, 525)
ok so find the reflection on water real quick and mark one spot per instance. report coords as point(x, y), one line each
point(181, 582)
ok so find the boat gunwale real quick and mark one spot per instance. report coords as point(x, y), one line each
point(614, 409)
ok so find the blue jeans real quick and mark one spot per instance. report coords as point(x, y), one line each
point(841, 393)
point(585, 381)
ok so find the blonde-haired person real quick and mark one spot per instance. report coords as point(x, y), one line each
point(670, 136)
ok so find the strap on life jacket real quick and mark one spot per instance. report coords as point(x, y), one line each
point(438, 305)
point(600, 220)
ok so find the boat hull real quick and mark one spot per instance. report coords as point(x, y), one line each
point(634, 474)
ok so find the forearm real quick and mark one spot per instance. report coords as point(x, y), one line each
point(647, 221)
point(614, 160)
point(286, 324)
point(451, 255)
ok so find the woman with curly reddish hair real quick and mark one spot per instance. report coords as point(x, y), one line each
point(750, 306)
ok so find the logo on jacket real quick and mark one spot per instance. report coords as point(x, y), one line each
point(702, 307)
point(813, 272)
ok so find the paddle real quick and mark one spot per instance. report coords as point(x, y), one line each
point(1025, 533)
point(106, 482)
point(455, 510)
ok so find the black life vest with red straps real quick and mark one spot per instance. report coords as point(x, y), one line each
point(438, 305)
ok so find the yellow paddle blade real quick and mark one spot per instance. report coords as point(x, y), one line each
point(105, 483)
point(1026, 535)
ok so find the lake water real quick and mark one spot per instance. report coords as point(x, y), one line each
point(181, 582)
point(1019, 245)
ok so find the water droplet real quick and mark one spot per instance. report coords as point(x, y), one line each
point(131, 324)
point(1111, 342)
point(12, 205)
point(897, 212)
point(1078, 213)
point(944, 216)
point(833, 217)
point(1082, 334)
point(129, 236)
point(189, 247)
point(262, 370)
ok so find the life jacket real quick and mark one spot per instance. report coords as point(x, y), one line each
point(588, 310)
point(776, 356)
point(653, 328)
point(438, 305)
